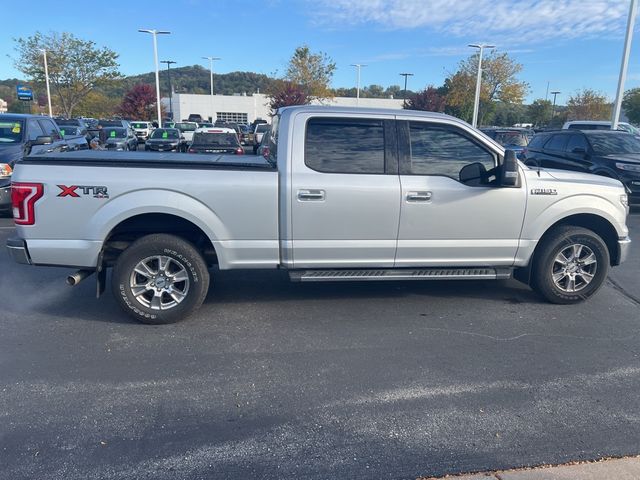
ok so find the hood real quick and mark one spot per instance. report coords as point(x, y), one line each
point(583, 178)
point(163, 140)
point(11, 153)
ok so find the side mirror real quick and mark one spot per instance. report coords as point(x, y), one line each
point(42, 140)
point(509, 175)
point(579, 151)
point(473, 175)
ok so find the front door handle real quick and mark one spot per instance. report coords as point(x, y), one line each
point(418, 196)
point(311, 195)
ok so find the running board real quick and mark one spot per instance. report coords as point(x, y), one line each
point(472, 273)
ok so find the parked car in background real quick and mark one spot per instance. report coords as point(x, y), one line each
point(245, 137)
point(76, 122)
point(22, 135)
point(258, 132)
point(512, 138)
point(613, 154)
point(142, 130)
point(114, 123)
point(599, 125)
point(195, 117)
point(264, 149)
point(165, 140)
point(205, 125)
point(119, 138)
point(186, 130)
point(76, 137)
point(215, 140)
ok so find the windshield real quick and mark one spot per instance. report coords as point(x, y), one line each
point(613, 143)
point(163, 134)
point(66, 130)
point(110, 123)
point(216, 139)
point(115, 132)
point(11, 131)
point(628, 128)
point(186, 127)
point(262, 127)
point(140, 125)
point(512, 138)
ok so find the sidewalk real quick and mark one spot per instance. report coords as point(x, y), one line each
point(614, 469)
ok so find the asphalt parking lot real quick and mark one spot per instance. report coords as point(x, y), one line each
point(279, 380)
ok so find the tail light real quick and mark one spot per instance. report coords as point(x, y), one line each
point(265, 152)
point(5, 170)
point(23, 198)
point(239, 151)
point(191, 150)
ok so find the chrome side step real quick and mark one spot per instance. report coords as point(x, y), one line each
point(433, 273)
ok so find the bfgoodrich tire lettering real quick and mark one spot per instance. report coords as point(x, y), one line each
point(570, 265)
point(160, 279)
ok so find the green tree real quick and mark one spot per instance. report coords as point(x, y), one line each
point(539, 112)
point(631, 105)
point(311, 71)
point(97, 104)
point(76, 66)
point(499, 83)
point(588, 104)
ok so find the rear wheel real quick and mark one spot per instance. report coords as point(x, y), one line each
point(160, 279)
point(570, 265)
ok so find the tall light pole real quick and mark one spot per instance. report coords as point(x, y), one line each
point(358, 67)
point(625, 62)
point(211, 59)
point(46, 77)
point(476, 103)
point(155, 34)
point(404, 95)
point(553, 109)
point(169, 62)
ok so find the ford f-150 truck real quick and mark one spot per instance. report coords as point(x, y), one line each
point(345, 194)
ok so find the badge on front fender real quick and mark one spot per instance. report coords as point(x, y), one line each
point(544, 191)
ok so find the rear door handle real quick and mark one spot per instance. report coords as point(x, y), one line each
point(311, 195)
point(418, 196)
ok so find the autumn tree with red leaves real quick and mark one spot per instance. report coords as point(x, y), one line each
point(139, 103)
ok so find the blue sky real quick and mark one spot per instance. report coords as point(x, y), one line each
point(573, 44)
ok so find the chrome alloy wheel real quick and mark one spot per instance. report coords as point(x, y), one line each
point(159, 282)
point(574, 268)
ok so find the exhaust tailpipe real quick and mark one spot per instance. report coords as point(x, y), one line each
point(76, 278)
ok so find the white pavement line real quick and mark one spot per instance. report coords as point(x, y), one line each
point(617, 468)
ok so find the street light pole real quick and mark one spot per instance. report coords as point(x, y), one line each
point(169, 62)
point(476, 103)
point(553, 109)
point(155, 34)
point(358, 67)
point(404, 94)
point(625, 63)
point(46, 77)
point(211, 59)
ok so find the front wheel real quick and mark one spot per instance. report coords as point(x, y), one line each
point(160, 279)
point(570, 265)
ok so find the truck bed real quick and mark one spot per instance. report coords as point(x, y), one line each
point(104, 158)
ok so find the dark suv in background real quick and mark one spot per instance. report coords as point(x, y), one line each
point(613, 154)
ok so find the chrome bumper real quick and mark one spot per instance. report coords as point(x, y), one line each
point(17, 248)
point(623, 247)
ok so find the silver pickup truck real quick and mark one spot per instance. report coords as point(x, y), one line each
point(345, 194)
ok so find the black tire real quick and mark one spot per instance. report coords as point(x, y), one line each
point(184, 258)
point(255, 150)
point(544, 264)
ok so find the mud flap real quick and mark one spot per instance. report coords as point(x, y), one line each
point(101, 275)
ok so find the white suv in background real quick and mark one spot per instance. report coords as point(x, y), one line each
point(142, 130)
point(599, 125)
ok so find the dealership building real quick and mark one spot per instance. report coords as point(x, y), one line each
point(247, 108)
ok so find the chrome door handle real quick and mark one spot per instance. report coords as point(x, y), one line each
point(311, 195)
point(418, 196)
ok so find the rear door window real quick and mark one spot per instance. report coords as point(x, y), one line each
point(557, 143)
point(576, 141)
point(341, 145)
